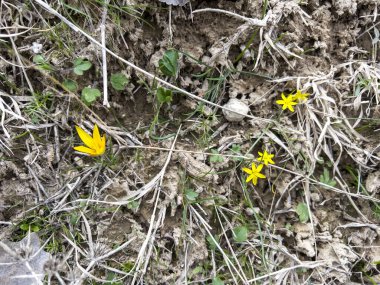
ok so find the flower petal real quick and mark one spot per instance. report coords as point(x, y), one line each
point(85, 137)
point(85, 150)
point(247, 170)
point(260, 175)
point(254, 180)
point(258, 169)
point(250, 177)
point(102, 145)
point(96, 135)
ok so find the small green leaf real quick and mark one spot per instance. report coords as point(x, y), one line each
point(240, 234)
point(74, 218)
point(217, 281)
point(24, 227)
point(133, 205)
point(119, 81)
point(164, 95)
point(211, 242)
point(191, 195)
point(169, 63)
point(325, 178)
point(216, 157)
point(89, 95)
point(236, 150)
point(302, 212)
point(197, 270)
point(42, 63)
point(39, 59)
point(34, 228)
point(70, 85)
point(81, 65)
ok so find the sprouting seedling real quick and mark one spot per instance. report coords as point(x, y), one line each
point(169, 63)
point(95, 144)
point(81, 65)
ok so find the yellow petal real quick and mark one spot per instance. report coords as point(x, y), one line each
point(96, 135)
point(254, 180)
point(85, 137)
point(260, 175)
point(102, 145)
point(247, 170)
point(85, 150)
point(250, 177)
point(258, 169)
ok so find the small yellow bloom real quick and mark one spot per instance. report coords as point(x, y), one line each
point(254, 173)
point(287, 102)
point(95, 145)
point(266, 158)
point(300, 97)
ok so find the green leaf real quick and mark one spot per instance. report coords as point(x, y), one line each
point(325, 178)
point(191, 195)
point(169, 63)
point(119, 81)
point(81, 65)
point(164, 95)
point(24, 227)
point(240, 234)
point(89, 95)
point(42, 63)
point(133, 205)
point(39, 59)
point(236, 150)
point(211, 242)
point(302, 212)
point(217, 281)
point(197, 270)
point(216, 157)
point(70, 85)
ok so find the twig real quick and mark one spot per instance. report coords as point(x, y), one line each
point(104, 54)
point(252, 21)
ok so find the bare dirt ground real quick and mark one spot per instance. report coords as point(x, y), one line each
point(168, 202)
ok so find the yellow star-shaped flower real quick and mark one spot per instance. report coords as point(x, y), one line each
point(254, 173)
point(300, 97)
point(266, 158)
point(95, 145)
point(287, 102)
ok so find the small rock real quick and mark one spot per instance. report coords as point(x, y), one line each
point(238, 106)
point(372, 182)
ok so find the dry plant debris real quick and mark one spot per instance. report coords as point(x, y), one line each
point(197, 100)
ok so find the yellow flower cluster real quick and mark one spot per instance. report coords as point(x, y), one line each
point(254, 173)
point(292, 100)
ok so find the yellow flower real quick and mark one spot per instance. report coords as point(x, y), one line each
point(287, 102)
point(299, 96)
point(95, 145)
point(254, 173)
point(266, 158)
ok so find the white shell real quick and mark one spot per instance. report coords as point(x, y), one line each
point(175, 2)
point(238, 106)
